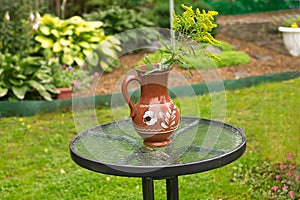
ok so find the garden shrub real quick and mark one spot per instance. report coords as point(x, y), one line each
point(118, 20)
point(229, 58)
point(25, 78)
point(76, 41)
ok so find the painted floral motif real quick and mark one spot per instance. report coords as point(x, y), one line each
point(149, 118)
point(169, 119)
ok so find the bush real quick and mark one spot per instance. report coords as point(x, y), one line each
point(75, 41)
point(229, 58)
point(118, 20)
point(25, 78)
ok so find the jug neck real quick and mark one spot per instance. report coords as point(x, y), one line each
point(154, 87)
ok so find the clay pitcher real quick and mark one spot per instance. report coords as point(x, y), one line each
point(155, 116)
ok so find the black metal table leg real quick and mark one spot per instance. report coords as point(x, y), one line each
point(172, 188)
point(148, 189)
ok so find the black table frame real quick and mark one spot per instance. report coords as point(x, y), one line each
point(171, 187)
point(170, 173)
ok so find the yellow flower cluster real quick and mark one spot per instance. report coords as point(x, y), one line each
point(196, 25)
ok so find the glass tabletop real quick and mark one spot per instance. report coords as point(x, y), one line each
point(198, 145)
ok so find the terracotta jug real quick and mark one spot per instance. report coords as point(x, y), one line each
point(155, 116)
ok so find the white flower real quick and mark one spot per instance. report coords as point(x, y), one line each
point(149, 118)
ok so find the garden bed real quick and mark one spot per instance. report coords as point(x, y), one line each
point(252, 33)
point(269, 62)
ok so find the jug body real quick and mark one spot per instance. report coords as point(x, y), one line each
point(155, 116)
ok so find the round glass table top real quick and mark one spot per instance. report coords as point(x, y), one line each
point(198, 145)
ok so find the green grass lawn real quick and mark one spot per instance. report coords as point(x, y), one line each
point(35, 161)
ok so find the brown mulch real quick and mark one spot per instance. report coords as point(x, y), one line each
point(252, 33)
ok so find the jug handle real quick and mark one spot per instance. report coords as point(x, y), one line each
point(126, 95)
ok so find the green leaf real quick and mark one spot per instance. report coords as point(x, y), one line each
point(29, 69)
point(64, 42)
point(45, 30)
point(84, 44)
point(45, 78)
point(45, 42)
point(55, 33)
point(114, 40)
point(67, 32)
point(15, 81)
point(96, 24)
point(57, 47)
point(104, 65)
point(67, 59)
point(46, 95)
point(108, 69)
point(3, 91)
point(87, 52)
point(36, 85)
point(93, 59)
point(67, 50)
point(30, 60)
point(148, 63)
point(51, 88)
point(20, 91)
point(108, 51)
point(79, 61)
point(20, 76)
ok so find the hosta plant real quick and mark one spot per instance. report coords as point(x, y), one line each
point(20, 78)
point(76, 41)
point(117, 19)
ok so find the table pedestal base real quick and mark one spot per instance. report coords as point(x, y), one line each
point(171, 186)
